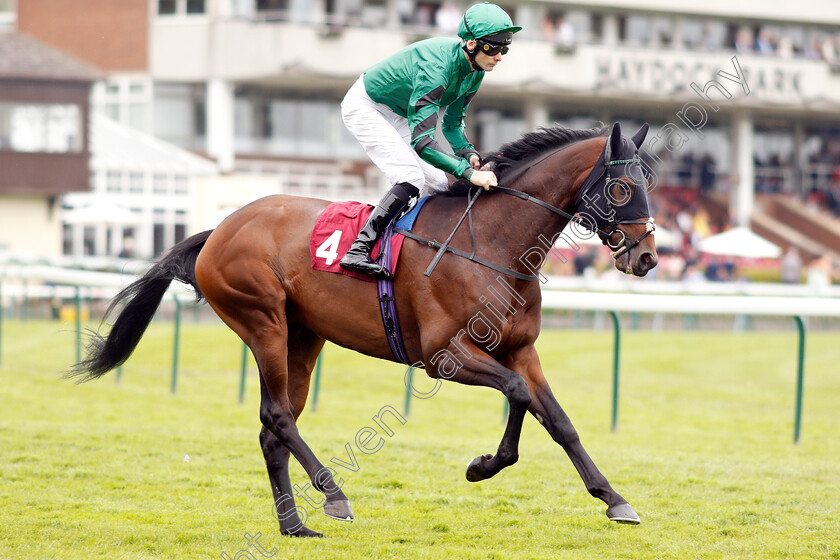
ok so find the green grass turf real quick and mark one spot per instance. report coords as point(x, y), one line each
point(704, 453)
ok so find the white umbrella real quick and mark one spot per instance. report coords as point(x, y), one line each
point(101, 212)
point(740, 242)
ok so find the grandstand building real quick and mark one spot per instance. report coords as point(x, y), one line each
point(743, 97)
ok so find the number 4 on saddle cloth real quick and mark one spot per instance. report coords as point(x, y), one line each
point(337, 228)
point(335, 231)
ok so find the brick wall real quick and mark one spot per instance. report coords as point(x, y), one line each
point(110, 34)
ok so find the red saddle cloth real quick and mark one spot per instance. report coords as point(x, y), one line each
point(336, 230)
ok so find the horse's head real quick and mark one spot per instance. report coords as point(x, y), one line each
point(613, 202)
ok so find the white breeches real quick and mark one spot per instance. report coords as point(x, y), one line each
point(386, 138)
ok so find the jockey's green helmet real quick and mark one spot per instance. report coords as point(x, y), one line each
point(487, 21)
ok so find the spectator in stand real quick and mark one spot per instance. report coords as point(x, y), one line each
point(819, 275)
point(448, 17)
point(701, 225)
point(707, 173)
point(584, 259)
point(405, 9)
point(828, 50)
point(744, 41)
point(812, 50)
point(765, 42)
point(564, 34)
point(424, 15)
point(785, 48)
point(547, 28)
point(833, 196)
point(686, 170)
point(692, 274)
point(791, 266)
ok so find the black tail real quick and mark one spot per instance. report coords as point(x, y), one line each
point(141, 298)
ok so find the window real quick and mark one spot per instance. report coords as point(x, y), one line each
point(195, 6)
point(125, 99)
point(159, 232)
point(175, 7)
point(272, 5)
point(180, 232)
point(158, 241)
point(89, 240)
point(67, 239)
point(181, 184)
point(36, 127)
point(179, 114)
point(180, 225)
point(166, 7)
point(8, 13)
point(160, 184)
point(113, 181)
point(135, 182)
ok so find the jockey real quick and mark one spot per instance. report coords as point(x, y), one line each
point(393, 109)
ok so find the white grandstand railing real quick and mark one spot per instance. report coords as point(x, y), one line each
point(623, 284)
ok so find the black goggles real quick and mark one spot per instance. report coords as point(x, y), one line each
point(491, 49)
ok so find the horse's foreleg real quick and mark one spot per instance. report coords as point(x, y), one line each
point(548, 412)
point(482, 370)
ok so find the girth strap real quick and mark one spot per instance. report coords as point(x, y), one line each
point(387, 303)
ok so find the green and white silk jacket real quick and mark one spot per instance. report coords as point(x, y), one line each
point(416, 83)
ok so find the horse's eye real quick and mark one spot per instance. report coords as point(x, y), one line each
point(621, 191)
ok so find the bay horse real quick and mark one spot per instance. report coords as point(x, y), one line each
point(254, 271)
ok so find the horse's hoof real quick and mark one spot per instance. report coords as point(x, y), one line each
point(339, 509)
point(474, 473)
point(623, 513)
point(302, 532)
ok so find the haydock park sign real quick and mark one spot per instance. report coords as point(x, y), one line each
point(650, 74)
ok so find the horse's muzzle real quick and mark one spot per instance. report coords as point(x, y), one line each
point(645, 262)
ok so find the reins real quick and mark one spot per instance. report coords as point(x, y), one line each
point(618, 249)
point(445, 248)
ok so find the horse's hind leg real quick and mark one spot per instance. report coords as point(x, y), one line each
point(304, 347)
point(259, 318)
point(549, 413)
point(269, 342)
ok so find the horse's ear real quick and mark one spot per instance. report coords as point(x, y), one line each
point(615, 141)
point(639, 137)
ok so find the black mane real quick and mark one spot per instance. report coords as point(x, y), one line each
point(513, 155)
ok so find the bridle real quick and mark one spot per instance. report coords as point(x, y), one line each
point(608, 227)
point(611, 227)
point(591, 182)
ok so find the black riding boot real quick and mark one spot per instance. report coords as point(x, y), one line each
point(358, 258)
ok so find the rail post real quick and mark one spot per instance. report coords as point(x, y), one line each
point(800, 378)
point(317, 386)
point(616, 352)
point(244, 370)
point(176, 345)
point(78, 303)
point(409, 375)
point(24, 304)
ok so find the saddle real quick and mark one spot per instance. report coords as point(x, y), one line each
point(331, 238)
point(338, 226)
